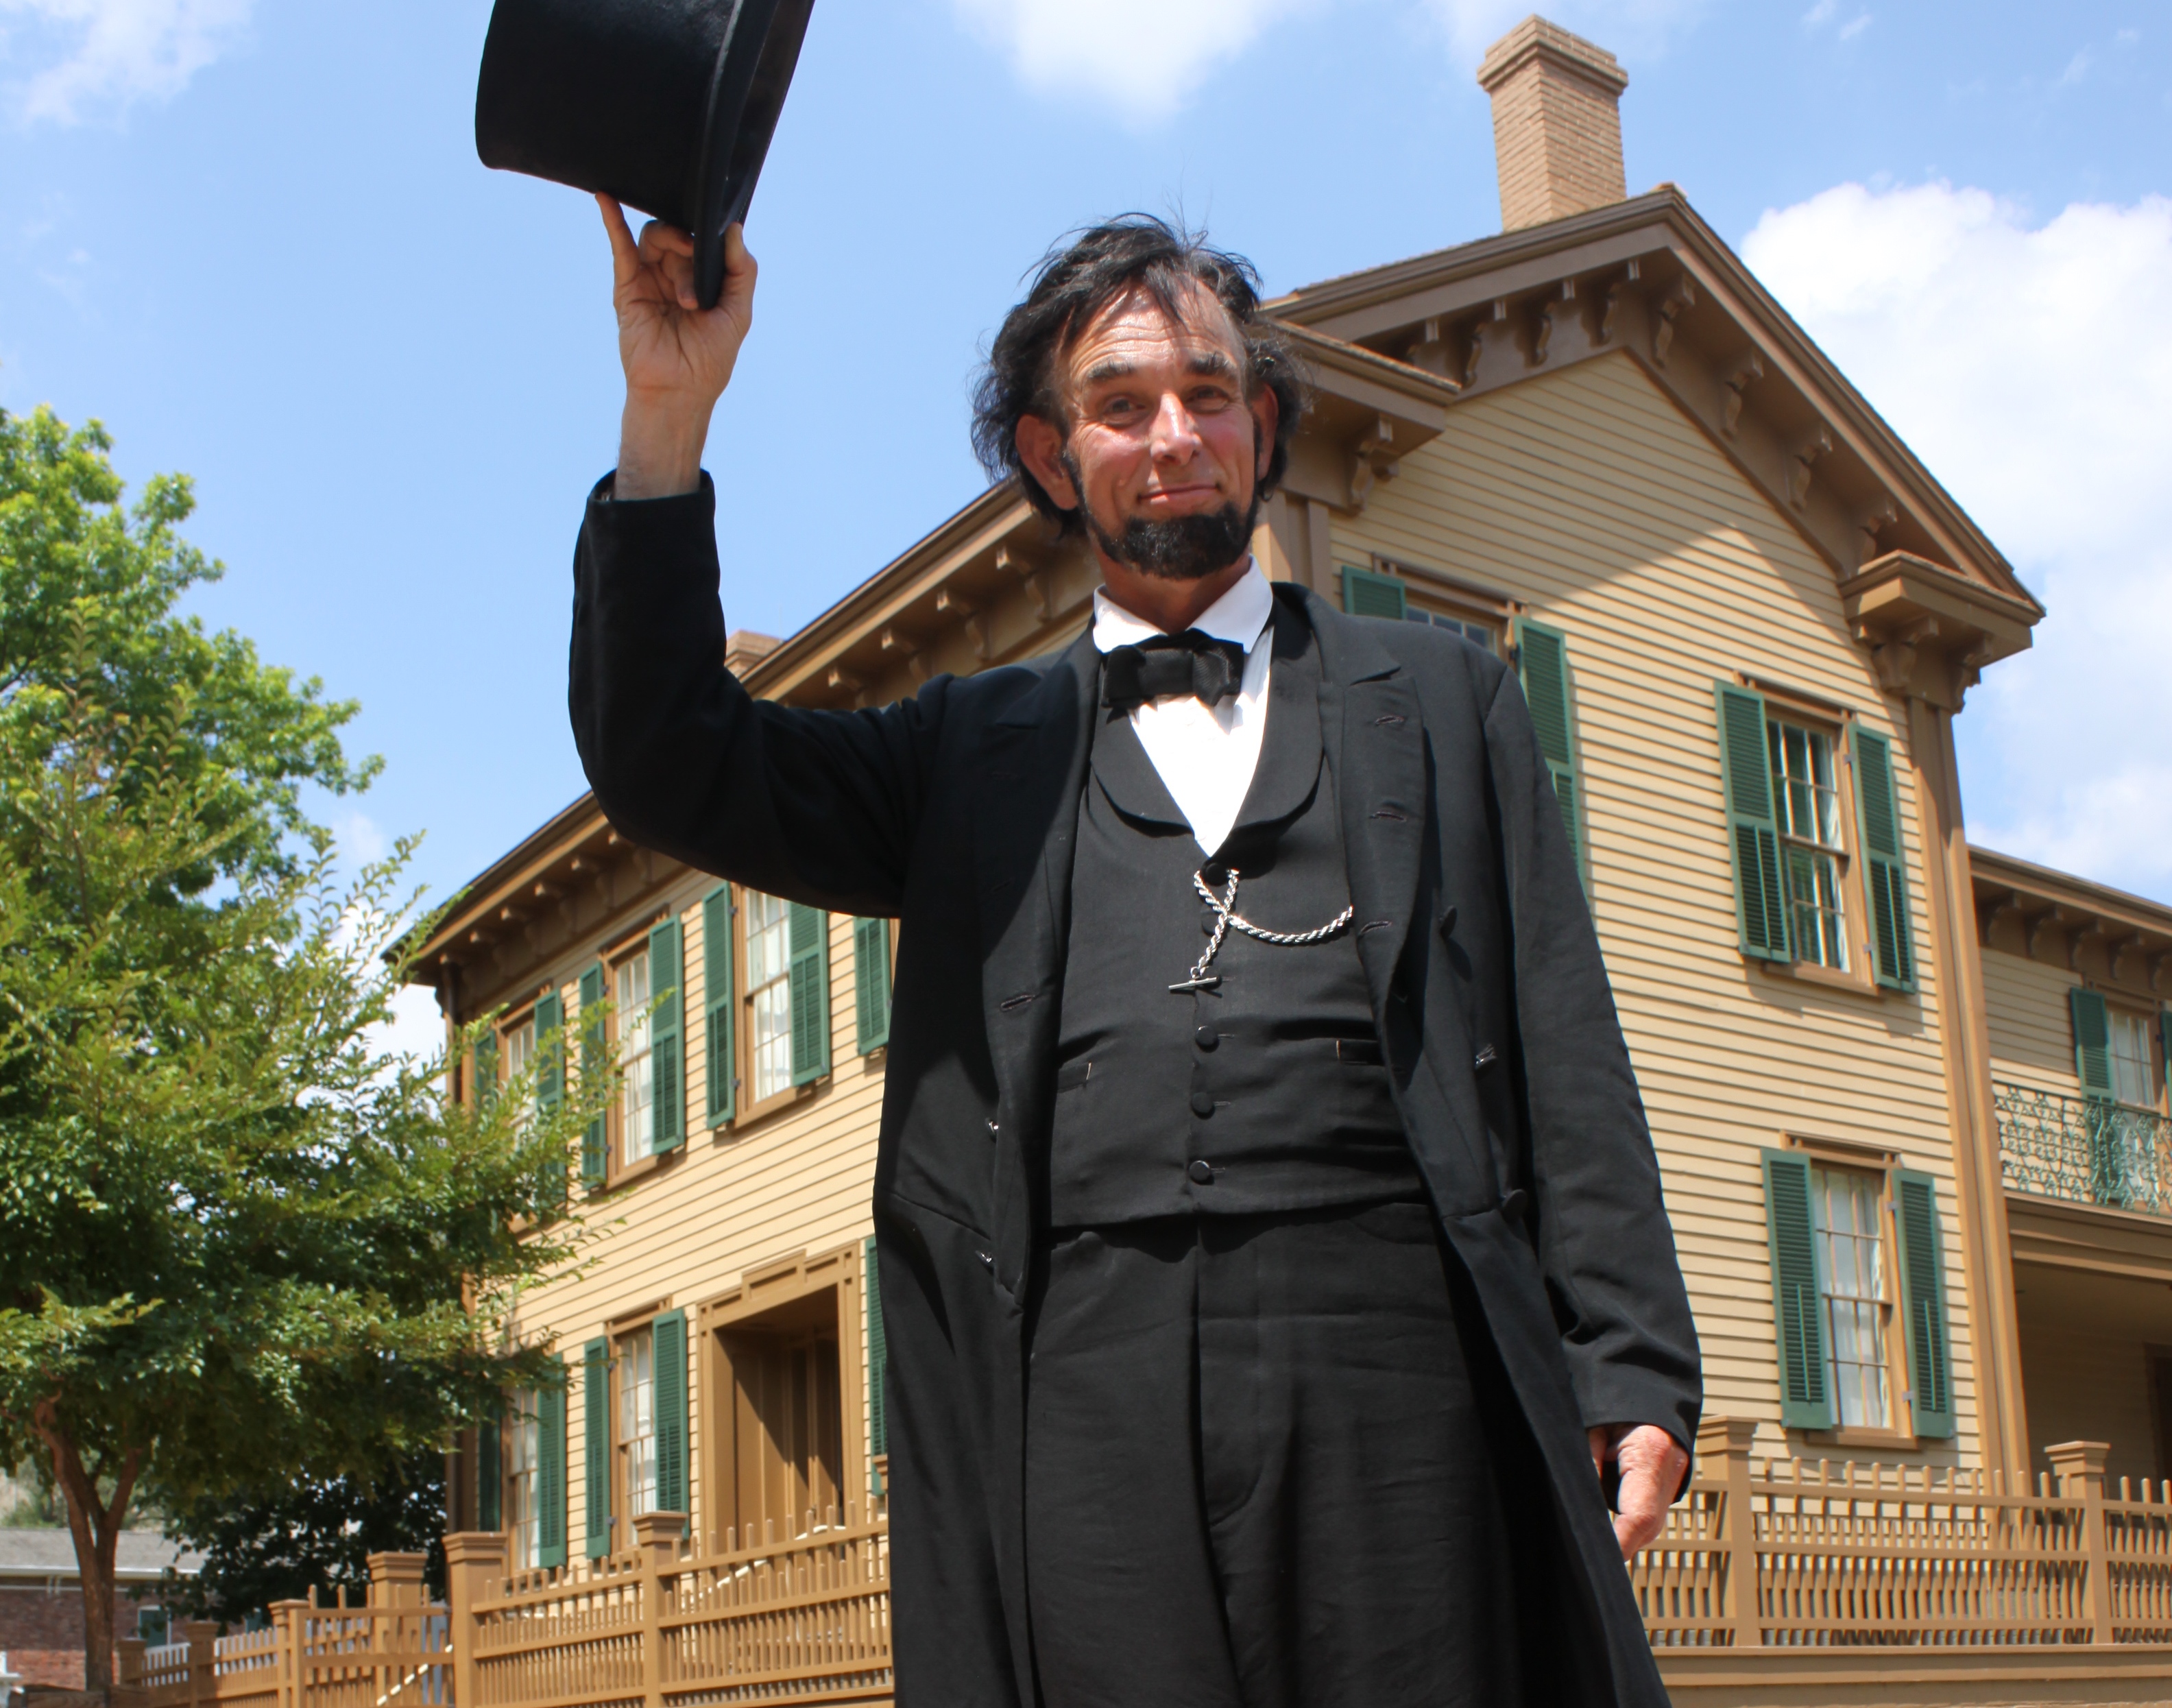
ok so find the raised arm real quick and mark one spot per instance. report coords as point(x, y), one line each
point(817, 806)
point(678, 358)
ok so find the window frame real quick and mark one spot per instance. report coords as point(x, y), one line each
point(622, 1336)
point(752, 1108)
point(523, 1415)
point(618, 1170)
point(1884, 1167)
point(1837, 724)
point(2152, 1027)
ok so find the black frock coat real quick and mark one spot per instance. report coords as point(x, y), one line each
point(954, 812)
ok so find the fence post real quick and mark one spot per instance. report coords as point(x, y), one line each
point(290, 1632)
point(202, 1636)
point(656, 1537)
point(1727, 1439)
point(2079, 1465)
point(128, 1668)
point(475, 1566)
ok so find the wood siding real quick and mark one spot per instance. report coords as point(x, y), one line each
point(1588, 496)
point(2032, 1034)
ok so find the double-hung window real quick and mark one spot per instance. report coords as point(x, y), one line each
point(768, 994)
point(524, 1455)
point(1813, 834)
point(636, 1421)
point(520, 1057)
point(1815, 855)
point(2133, 1059)
point(636, 1083)
point(1846, 1211)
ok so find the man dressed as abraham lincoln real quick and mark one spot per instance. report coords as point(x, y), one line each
point(1273, 1263)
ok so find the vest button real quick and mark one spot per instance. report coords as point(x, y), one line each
point(1202, 1104)
point(1202, 1173)
point(1215, 873)
point(1206, 1037)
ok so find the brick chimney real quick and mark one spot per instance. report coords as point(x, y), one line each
point(1556, 123)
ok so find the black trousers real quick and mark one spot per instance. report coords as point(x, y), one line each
point(1272, 1461)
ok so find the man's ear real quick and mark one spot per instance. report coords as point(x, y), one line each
point(1040, 449)
point(1267, 411)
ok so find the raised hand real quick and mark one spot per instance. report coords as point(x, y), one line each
point(1651, 1463)
point(678, 357)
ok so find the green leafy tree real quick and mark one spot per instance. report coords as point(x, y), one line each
point(238, 1247)
point(281, 1542)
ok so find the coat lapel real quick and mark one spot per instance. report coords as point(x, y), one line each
point(1370, 725)
point(1032, 768)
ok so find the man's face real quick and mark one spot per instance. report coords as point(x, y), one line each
point(1165, 453)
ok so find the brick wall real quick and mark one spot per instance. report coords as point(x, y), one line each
point(1556, 123)
point(42, 1631)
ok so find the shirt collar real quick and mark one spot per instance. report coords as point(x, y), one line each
point(1240, 615)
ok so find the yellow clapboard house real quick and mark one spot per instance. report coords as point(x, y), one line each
point(1908, 1098)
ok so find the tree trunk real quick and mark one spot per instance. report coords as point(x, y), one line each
point(94, 1526)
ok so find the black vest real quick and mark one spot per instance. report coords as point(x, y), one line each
point(1266, 1093)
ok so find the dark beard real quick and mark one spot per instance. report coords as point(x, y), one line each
point(1184, 548)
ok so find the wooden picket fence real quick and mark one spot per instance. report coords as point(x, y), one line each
point(1762, 1560)
point(1791, 1555)
point(390, 1651)
point(803, 1619)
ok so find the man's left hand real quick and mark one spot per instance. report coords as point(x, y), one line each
point(1652, 1463)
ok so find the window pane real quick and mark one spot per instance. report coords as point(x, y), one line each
point(636, 1111)
point(523, 1443)
point(769, 938)
point(636, 1420)
point(2132, 1078)
point(1845, 1209)
point(769, 992)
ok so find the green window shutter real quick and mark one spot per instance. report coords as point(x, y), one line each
point(1806, 1399)
point(871, 980)
point(596, 1435)
point(669, 1330)
point(490, 1472)
point(1753, 831)
point(550, 1468)
point(2092, 1041)
point(486, 1070)
point(1923, 1304)
point(667, 1031)
point(810, 994)
point(551, 1087)
point(2165, 1043)
point(1542, 661)
point(877, 1368)
point(1886, 878)
point(595, 1137)
point(723, 1007)
point(1366, 593)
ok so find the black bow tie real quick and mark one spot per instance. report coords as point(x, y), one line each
point(1191, 663)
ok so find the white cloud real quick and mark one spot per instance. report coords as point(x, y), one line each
point(1142, 55)
point(110, 53)
point(2077, 68)
point(2029, 365)
point(1854, 27)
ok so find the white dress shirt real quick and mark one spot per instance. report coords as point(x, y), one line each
point(1205, 756)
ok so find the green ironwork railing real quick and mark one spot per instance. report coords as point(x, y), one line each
point(2084, 1150)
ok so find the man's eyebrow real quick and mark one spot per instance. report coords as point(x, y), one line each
point(1111, 367)
point(1214, 362)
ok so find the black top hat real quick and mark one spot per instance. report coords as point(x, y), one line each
point(666, 104)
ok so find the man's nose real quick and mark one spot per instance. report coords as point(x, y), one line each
point(1176, 433)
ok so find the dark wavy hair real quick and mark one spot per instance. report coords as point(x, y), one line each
point(1071, 285)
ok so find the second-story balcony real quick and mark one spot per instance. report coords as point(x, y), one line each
point(2084, 1150)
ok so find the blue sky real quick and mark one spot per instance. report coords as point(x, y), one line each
point(253, 237)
